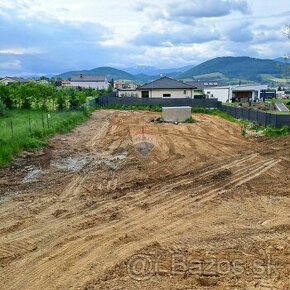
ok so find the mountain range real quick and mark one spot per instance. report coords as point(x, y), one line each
point(226, 70)
point(154, 71)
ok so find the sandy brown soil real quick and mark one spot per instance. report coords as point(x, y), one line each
point(122, 203)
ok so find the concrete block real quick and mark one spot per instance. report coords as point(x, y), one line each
point(176, 114)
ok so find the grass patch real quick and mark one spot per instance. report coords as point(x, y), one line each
point(214, 112)
point(285, 101)
point(190, 121)
point(274, 132)
point(29, 129)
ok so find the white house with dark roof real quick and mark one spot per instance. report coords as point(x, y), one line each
point(164, 87)
point(239, 93)
point(99, 82)
point(10, 80)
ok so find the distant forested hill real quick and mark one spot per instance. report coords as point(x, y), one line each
point(110, 72)
point(224, 69)
point(244, 68)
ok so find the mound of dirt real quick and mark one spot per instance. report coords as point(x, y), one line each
point(192, 207)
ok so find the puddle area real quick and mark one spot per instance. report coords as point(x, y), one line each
point(79, 163)
point(33, 174)
point(75, 164)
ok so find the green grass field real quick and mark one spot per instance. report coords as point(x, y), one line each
point(285, 101)
point(28, 129)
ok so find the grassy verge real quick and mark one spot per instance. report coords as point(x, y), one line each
point(28, 129)
point(274, 132)
point(214, 113)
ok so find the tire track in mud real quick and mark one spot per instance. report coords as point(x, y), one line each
point(58, 265)
point(76, 248)
point(165, 189)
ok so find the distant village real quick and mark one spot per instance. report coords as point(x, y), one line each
point(165, 87)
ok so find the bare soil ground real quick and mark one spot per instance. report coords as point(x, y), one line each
point(122, 203)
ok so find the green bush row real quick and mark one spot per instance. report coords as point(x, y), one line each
point(27, 129)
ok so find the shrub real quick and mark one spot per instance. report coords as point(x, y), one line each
point(272, 132)
point(29, 131)
point(2, 108)
point(190, 121)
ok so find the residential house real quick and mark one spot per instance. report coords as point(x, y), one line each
point(65, 83)
point(90, 81)
point(203, 85)
point(43, 82)
point(10, 80)
point(123, 85)
point(164, 87)
point(239, 93)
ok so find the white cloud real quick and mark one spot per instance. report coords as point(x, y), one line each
point(19, 51)
point(10, 65)
point(187, 10)
point(59, 35)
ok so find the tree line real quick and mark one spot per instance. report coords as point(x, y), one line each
point(43, 96)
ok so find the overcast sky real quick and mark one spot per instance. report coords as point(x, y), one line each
point(53, 36)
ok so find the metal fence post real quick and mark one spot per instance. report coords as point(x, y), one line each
point(12, 129)
point(47, 119)
point(42, 116)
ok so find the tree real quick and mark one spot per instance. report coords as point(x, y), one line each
point(287, 56)
point(61, 99)
point(5, 97)
point(77, 99)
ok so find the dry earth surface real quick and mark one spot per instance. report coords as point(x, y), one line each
point(123, 203)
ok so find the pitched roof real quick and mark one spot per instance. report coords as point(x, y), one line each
point(166, 83)
point(88, 78)
point(16, 79)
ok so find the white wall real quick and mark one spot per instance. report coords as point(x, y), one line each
point(129, 93)
point(175, 94)
point(7, 81)
point(94, 85)
point(222, 94)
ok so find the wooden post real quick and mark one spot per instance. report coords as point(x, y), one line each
point(42, 121)
point(12, 129)
point(47, 118)
point(30, 127)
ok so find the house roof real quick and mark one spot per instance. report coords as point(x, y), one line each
point(201, 85)
point(88, 78)
point(166, 83)
point(15, 79)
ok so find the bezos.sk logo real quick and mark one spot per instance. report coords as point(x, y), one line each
point(144, 142)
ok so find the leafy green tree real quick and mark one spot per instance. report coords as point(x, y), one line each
point(28, 95)
point(110, 89)
point(77, 100)
point(287, 56)
point(5, 96)
point(61, 99)
point(2, 108)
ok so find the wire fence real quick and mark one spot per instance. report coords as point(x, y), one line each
point(36, 124)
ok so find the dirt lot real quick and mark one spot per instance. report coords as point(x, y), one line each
point(122, 203)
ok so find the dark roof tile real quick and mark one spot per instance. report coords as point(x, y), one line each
point(166, 83)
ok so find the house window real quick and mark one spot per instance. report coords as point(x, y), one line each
point(145, 94)
point(184, 92)
point(166, 95)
